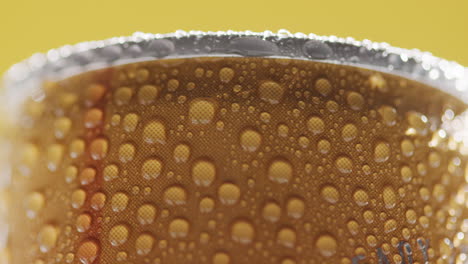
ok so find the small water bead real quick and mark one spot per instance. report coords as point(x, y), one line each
point(349, 132)
point(62, 126)
point(98, 148)
point(83, 222)
point(368, 216)
point(126, 152)
point(88, 252)
point(146, 214)
point(377, 81)
point(382, 151)
point(295, 207)
point(175, 195)
point(54, 156)
point(181, 153)
point(344, 164)
point(438, 192)
point(115, 120)
point(172, 85)
point(118, 235)
point(87, 175)
point(147, 94)
point(29, 155)
point(283, 130)
point(353, 227)
point(272, 212)
point(121, 256)
point(47, 238)
point(34, 203)
point(280, 171)
point(242, 232)
point(324, 146)
point(407, 147)
point(201, 112)
point(207, 205)
point(226, 74)
point(78, 198)
point(330, 194)
point(123, 95)
point(151, 169)
point(434, 159)
point(98, 201)
point(119, 202)
point(179, 228)
point(389, 115)
point(304, 142)
point(371, 240)
point(323, 86)
point(389, 197)
point(250, 140)
point(355, 101)
point(411, 216)
point(130, 122)
point(94, 93)
point(418, 122)
point(316, 125)
point(361, 197)
point(77, 148)
point(265, 117)
point(271, 92)
point(93, 118)
point(203, 172)
point(326, 245)
point(390, 226)
point(406, 173)
point(221, 258)
point(229, 193)
point(110, 172)
point(288, 261)
point(286, 237)
point(154, 132)
point(424, 193)
point(69, 257)
point(144, 244)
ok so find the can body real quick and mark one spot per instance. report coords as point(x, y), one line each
point(238, 160)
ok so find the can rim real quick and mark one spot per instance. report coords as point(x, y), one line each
point(24, 78)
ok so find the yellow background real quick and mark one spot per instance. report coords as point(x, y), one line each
point(28, 26)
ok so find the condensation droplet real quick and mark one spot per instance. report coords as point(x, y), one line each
point(250, 140)
point(175, 195)
point(179, 228)
point(382, 152)
point(330, 194)
point(344, 164)
point(181, 153)
point(146, 214)
point(201, 112)
point(118, 235)
point(88, 252)
point(316, 125)
point(144, 244)
point(326, 245)
point(280, 171)
point(47, 238)
point(228, 193)
point(361, 197)
point(203, 172)
point(271, 92)
point(119, 202)
point(286, 237)
point(154, 132)
point(242, 232)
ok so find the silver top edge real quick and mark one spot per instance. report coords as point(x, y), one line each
point(23, 79)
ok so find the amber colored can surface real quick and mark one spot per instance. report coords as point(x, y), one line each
point(238, 160)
